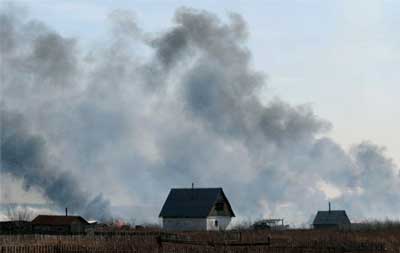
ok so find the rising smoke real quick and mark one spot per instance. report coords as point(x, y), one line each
point(25, 155)
point(135, 124)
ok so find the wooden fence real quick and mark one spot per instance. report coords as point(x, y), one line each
point(174, 244)
point(173, 248)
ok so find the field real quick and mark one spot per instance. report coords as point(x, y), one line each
point(232, 241)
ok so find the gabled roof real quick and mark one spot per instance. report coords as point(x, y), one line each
point(58, 220)
point(192, 202)
point(333, 217)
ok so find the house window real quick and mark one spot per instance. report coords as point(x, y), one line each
point(216, 223)
point(219, 206)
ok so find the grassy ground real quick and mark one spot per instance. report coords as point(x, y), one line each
point(311, 240)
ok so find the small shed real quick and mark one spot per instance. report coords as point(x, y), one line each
point(59, 224)
point(194, 209)
point(331, 219)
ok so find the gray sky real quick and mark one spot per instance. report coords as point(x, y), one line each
point(340, 56)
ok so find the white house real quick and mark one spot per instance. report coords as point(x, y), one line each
point(191, 209)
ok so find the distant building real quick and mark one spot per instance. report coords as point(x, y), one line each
point(59, 224)
point(194, 209)
point(331, 219)
point(15, 227)
point(270, 224)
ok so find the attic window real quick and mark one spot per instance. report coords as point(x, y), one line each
point(219, 206)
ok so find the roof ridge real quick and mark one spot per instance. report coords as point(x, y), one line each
point(198, 188)
point(58, 215)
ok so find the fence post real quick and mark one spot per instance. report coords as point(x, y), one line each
point(159, 244)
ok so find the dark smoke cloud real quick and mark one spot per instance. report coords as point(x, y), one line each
point(148, 112)
point(25, 155)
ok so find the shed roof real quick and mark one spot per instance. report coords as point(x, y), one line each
point(192, 202)
point(333, 217)
point(58, 220)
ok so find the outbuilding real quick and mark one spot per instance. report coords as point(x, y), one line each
point(332, 219)
point(59, 224)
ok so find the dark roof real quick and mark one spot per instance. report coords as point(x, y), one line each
point(58, 220)
point(14, 222)
point(192, 202)
point(333, 217)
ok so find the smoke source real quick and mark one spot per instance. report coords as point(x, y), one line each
point(113, 119)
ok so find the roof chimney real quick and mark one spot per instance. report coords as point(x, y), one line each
point(329, 206)
point(66, 211)
point(192, 191)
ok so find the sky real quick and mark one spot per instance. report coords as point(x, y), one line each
point(339, 58)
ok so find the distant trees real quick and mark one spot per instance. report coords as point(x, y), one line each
point(19, 213)
point(376, 225)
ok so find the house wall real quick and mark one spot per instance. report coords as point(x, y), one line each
point(49, 229)
point(224, 212)
point(222, 224)
point(184, 224)
point(77, 227)
point(332, 226)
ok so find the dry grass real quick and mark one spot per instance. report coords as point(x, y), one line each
point(230, 241)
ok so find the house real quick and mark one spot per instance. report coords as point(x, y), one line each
point(194, 209)
point(331, 219)
point(59, 224)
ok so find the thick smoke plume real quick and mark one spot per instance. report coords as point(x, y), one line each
point(25, 155)
point(152, 111)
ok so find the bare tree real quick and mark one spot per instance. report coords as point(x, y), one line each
point(19, 213)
